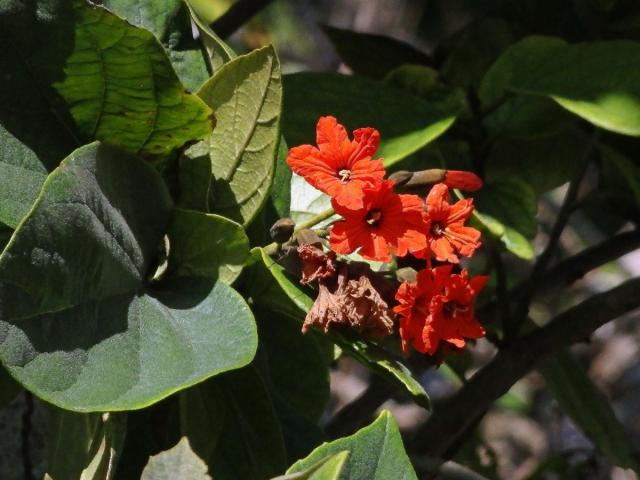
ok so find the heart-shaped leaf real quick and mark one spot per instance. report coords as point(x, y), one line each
point(376, 452)
point(77, 325)
point(246, 95)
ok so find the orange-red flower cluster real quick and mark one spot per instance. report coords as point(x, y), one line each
point(378, 222)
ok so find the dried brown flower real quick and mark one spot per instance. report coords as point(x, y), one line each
point(316, 264)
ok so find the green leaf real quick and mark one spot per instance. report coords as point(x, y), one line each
point(527, 118)
point(243, 146)
point(372, 55)
point(281, 189)
point(474, 49)
point(218, 51)
point(232, 425)
point(295, 369)
point(591, 80)
point(506, 208)
point(375, 453)
point(286, 297)
point(77, 326)
point(328, 468)
point(74, 72)
point(579, 398)
point(543, 163)
point(206, 245)
point(406, 122)
point(170, 22)
point(85, 446)
point(425, 83)
point(177, 462)
point(306, 201)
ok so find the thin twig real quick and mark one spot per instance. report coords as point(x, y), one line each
point(522, 309)
point(238, 14)
point(566, 272)
point(449, 425)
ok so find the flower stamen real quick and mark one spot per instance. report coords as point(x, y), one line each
point(374, 217)
point(344, 175)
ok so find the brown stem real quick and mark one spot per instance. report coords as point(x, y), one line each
point(448, 425)
point(237, 15)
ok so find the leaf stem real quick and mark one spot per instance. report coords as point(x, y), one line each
point(313, 221)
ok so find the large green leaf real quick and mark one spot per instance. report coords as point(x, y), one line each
point(170, 22)
point(77, 326)
point(231, 424)
point(206, 245)
point(271, 287)
point(328, 468)
point(406, 122)
point(373, 55)
point(375, 453)
point(246, 94)
point(74, 71)
point(178, 462)
point(85, 446)
point(579, 398)
point(592, 80)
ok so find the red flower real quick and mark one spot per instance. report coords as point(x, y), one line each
point(339, 167)
point(385, 220)
point(448, 237)
point(438, 307)
point(463, 180)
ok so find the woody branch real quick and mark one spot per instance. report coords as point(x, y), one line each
point(440, 434)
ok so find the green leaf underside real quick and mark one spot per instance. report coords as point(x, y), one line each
point(76, 327)
point(170, 22)
point(286, 297)
point(84, 445)
point(328, 468)
point(376, 452)
point(405, 121)
point(579, 398)
point(246, 94)
point(206, 245)
point(231, 424)
point(74, 71)
point(179, 462)
point(595, 80)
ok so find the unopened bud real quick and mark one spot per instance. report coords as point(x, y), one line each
point(282, 230)
point(467, 181)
